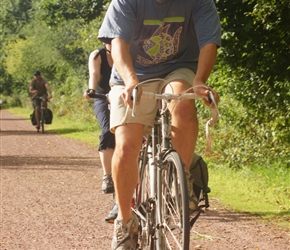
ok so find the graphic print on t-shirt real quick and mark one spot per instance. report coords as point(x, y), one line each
point(163, 44)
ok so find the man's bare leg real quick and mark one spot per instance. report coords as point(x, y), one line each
point(44, 103)
point(184, 134)
point(37, 118)
point(184, 123)
point(124, 166)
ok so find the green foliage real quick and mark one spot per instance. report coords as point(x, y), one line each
point(14, 14)
point(240, 140)
point(88, 36)
point(256, 37)
point(56, 11)
point(56, 52)
point(17, 58)
point(264, 101)
point(13, 101)
point(5, 81)
point(256, 51)
point(53, 52)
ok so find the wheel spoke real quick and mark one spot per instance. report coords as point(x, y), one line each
point(173, 205)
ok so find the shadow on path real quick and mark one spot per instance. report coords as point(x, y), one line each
point(227, 215)
point(14, 119)
point(23, 132)
point(16, 162)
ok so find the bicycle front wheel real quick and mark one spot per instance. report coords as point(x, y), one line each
point(42, 120)
point(145, 202)
point(172, 205)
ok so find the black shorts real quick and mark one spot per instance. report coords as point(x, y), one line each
point(102, 113)
point(37, 101)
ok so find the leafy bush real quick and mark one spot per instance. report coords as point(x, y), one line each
point(248, 133)
point(13, 101)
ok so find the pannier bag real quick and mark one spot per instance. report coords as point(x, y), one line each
point(33, 119)
point(47, 118)
point(199, 171)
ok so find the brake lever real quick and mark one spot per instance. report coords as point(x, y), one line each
point(211, 99)
point(134, 97)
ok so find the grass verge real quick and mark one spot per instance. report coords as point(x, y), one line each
point(261, 191)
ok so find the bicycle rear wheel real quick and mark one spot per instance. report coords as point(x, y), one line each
point(173, 227)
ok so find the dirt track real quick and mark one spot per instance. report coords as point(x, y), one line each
point(54, 202)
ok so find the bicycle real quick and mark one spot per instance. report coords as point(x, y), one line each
point(41, 114)
point(161, 196)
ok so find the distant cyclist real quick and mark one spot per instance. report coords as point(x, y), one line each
point(39, 87)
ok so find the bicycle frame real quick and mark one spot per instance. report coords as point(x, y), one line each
point(161, 142)
point(158, 146)
point(42, 118)
point(41, 115)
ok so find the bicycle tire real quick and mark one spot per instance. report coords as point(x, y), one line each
point(42, 120)
point(173, 228)
point(144, 202)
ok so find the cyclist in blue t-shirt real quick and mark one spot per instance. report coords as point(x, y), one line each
point(173, 40)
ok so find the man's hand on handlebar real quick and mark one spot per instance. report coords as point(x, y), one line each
point(130, 93)
point(88, 93)
point(213, 97)
point(91, 93)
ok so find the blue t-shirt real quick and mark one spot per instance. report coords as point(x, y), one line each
point(167, 36)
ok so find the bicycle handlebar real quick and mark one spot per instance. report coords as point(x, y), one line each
point(184, 96)
point(39, 97)
point(96, 95)
point(168, 97)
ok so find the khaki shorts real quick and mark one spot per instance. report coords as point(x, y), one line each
point(146, 110)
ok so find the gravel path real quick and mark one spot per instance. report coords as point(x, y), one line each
point(54, 202)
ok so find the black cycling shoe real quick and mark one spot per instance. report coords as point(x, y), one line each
point(112, 214)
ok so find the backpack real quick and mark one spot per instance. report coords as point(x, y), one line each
point(199, 172)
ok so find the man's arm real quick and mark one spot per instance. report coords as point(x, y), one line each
point(206, 62)
point(48, 89)
point(32, 90)
point(124, 65)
